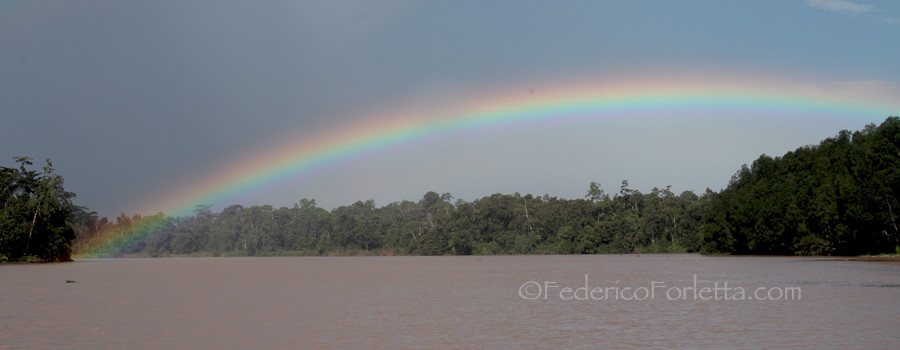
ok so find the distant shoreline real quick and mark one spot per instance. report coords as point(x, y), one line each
point(885, 258)
point(875, 258)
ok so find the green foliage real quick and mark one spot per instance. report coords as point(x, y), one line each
point(435, 225)
point(837, 198)
point(36, 222)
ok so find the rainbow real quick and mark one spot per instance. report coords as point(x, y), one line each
point(496, 112)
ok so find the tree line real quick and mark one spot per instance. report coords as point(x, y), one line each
point(839, 197)
point(629, 221)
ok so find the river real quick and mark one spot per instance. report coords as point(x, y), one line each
point(591, 301)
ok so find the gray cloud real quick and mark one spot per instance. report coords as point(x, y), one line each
point(840, 6)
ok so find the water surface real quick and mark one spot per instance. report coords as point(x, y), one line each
point(452, 302)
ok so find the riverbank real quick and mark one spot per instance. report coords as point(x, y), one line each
point(357, 253)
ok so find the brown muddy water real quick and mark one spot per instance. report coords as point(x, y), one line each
point(599, 301)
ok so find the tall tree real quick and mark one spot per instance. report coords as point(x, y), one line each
point(36, 222)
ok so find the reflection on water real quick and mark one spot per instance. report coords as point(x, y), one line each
point(441, 302)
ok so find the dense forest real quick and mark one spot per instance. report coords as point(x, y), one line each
point(839, 197)
point(35, 214)
point(629, 221)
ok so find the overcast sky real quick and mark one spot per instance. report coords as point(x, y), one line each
point(134, 99)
